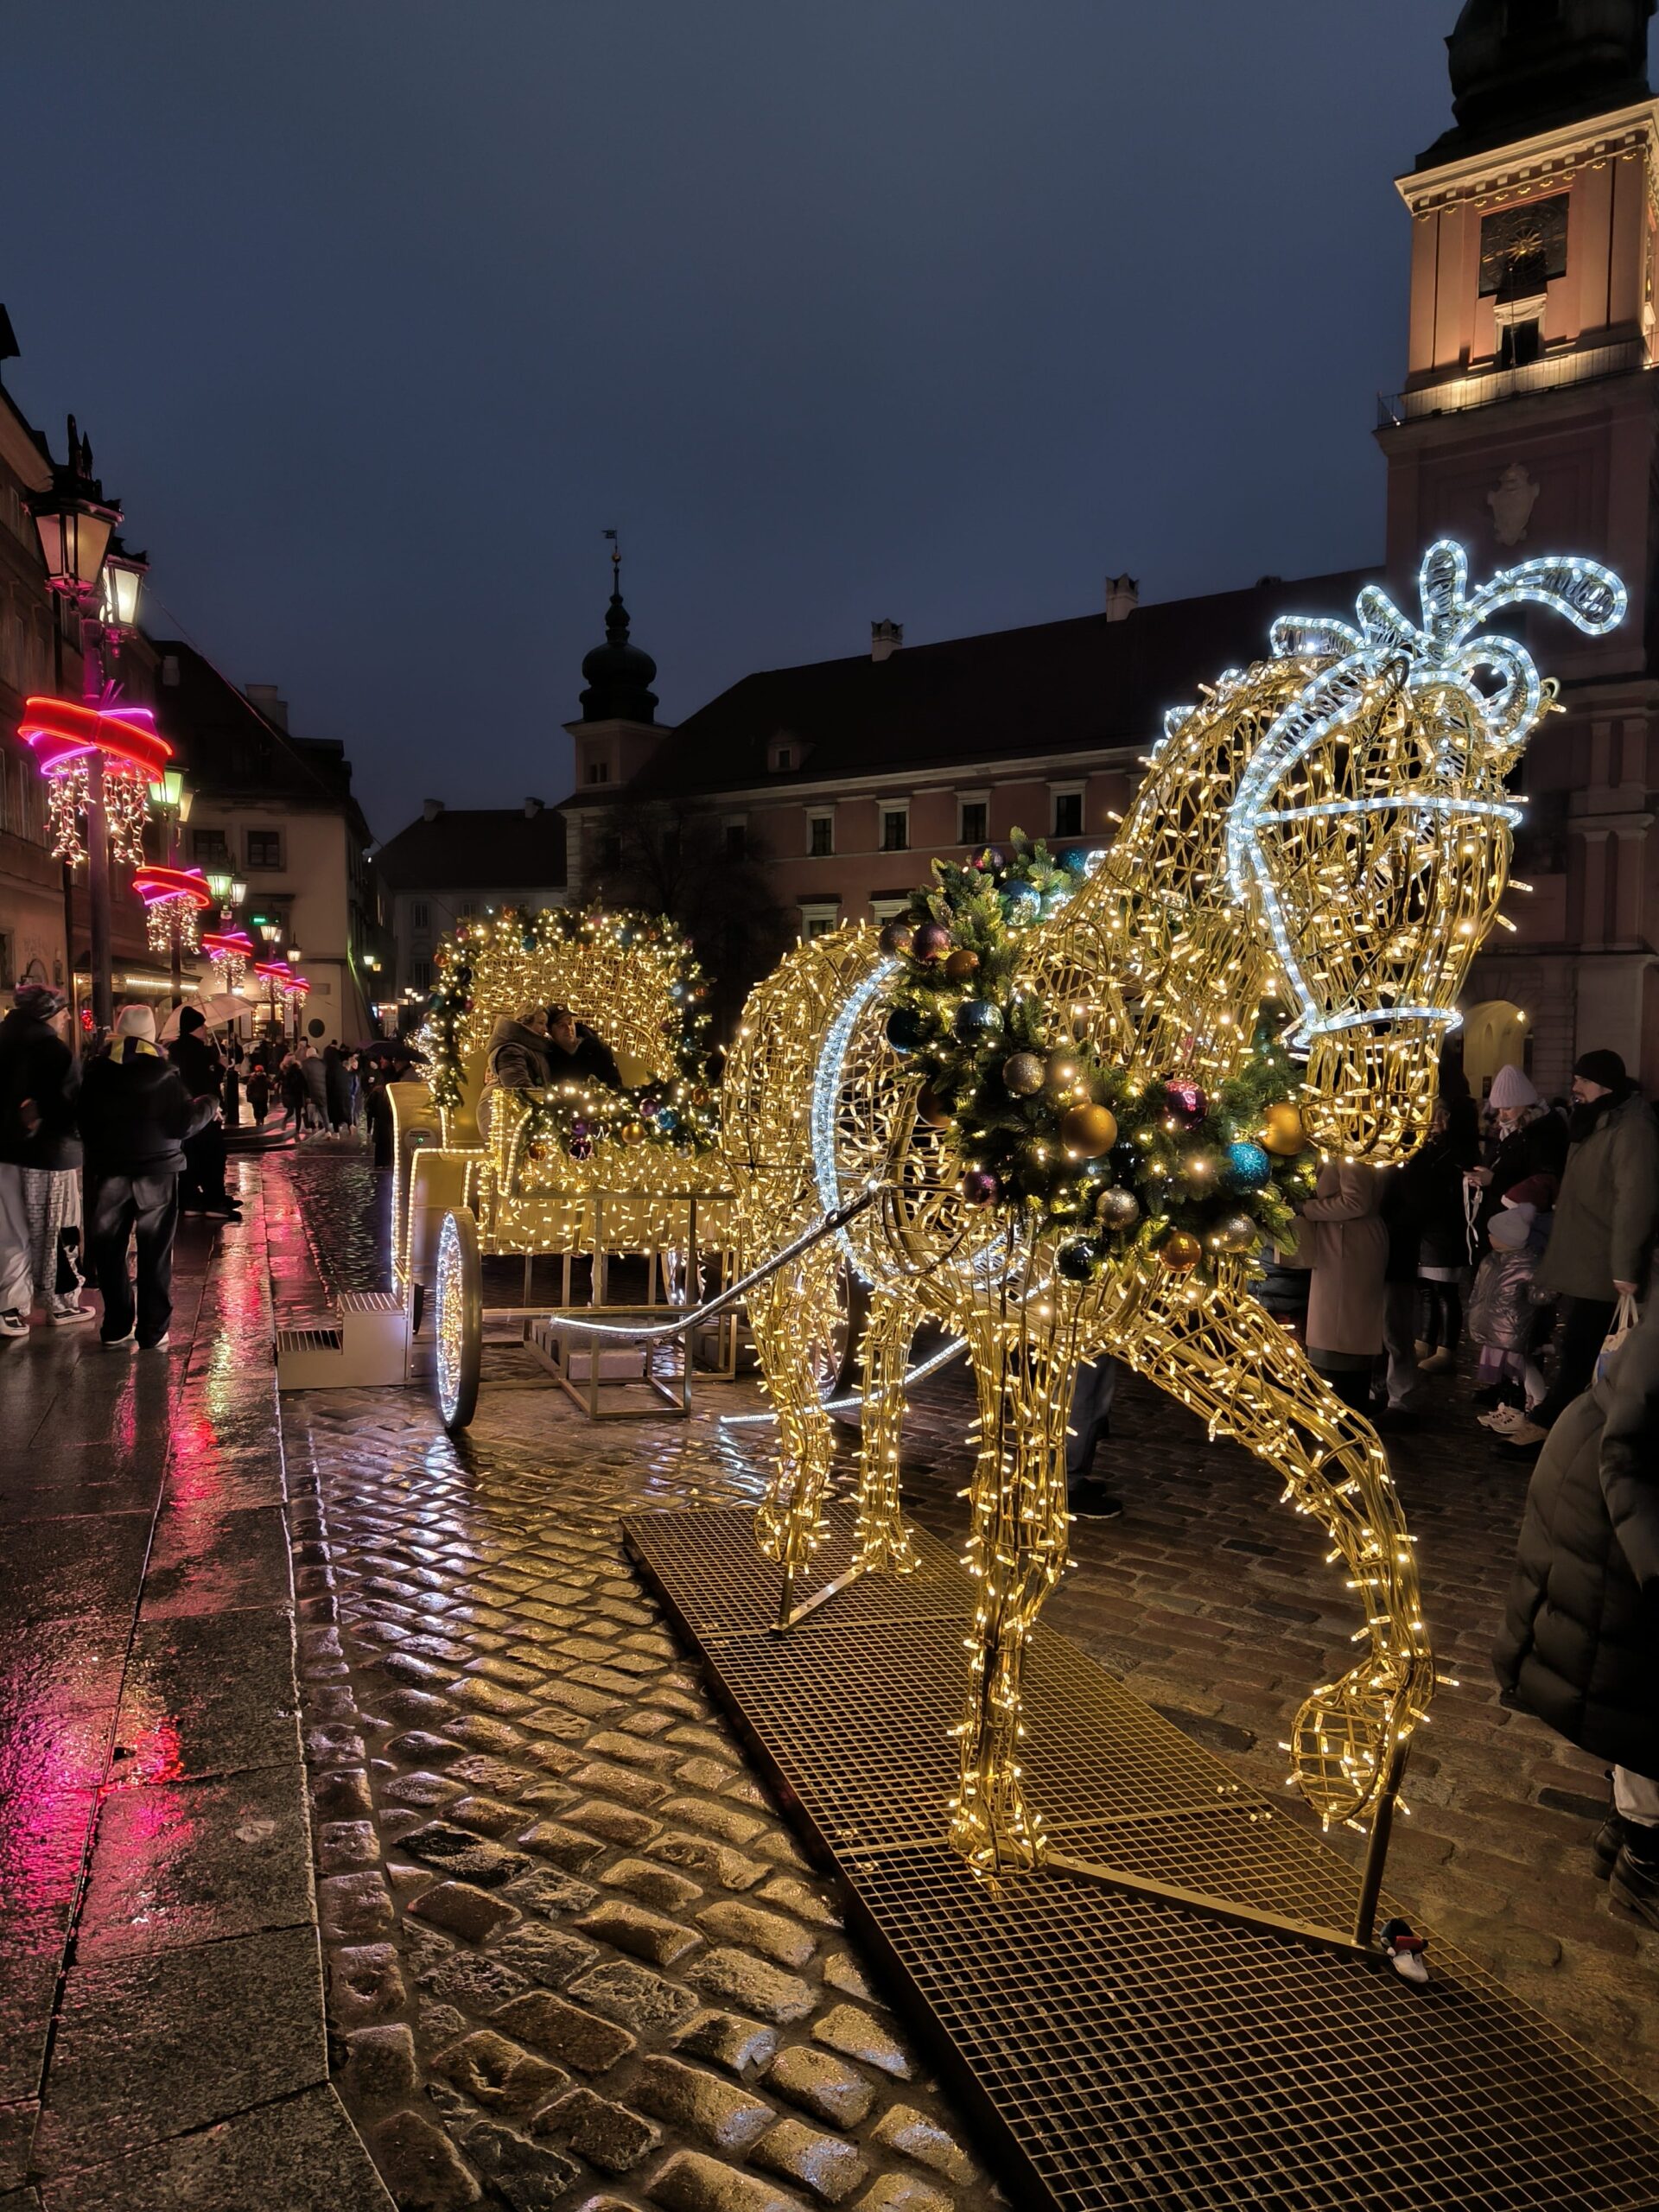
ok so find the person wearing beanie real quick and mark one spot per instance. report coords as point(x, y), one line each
point(1531, 1140)
point(40, 1164)
point(201, 1187)
point(135, 1115)
point(1601, 1243)
point(1502, 1317)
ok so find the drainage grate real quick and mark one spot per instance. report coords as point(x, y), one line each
point(1121, 2051)
point(290, 1341)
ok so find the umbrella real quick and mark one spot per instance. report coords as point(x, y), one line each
point(215, 1010)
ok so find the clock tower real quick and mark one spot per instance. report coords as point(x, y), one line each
point(1529, 423)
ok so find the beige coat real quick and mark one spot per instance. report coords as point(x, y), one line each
point(1345, 1244)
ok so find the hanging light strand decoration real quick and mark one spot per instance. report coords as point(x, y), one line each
point(66, 736)
point(175, 900)
point(1312, 859)
point(231, 953)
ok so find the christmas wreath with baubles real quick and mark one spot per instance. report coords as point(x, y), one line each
point(1110, 1162)
point(681, 1115)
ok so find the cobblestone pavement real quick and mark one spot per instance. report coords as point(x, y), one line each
point(573, 1952)
point(573, 1957)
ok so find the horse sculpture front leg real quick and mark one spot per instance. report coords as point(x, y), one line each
point(1222, 1355)
point(1016, 1552)
point(792, 1315)
point(882, 1540)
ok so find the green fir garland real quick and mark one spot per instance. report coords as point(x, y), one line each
point(1184, 1173)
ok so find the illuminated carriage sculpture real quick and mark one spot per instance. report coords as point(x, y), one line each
point(571, 1171)
point(1330, 830)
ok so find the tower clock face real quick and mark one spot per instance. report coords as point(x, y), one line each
point(1522, 248)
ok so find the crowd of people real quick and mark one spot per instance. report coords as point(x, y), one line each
point(102, 1154)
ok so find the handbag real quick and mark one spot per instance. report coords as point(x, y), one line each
point(1626, 1315)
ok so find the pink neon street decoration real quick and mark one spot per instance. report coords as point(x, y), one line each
point(65, 736)
point(174, 899)
point(230, 951)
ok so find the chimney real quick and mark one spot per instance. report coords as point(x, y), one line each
point(269, 702)
point(886, 637)
point(532, 808)
point(431, 809)
point(1123, 597)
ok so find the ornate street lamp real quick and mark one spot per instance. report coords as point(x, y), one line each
point(171, 801)
point(75, 524)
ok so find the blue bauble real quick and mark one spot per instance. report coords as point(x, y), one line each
point(905, 1029)
point(1248, 1166)
point(1079, 1262)
point(667, 1120)
point(1075, 863)
point(1021, 905)
point(977, 1019)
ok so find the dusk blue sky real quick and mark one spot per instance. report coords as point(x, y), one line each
point(377, 314)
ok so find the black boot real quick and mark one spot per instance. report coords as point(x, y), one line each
point(1608, 1841)
point(1634, 1878)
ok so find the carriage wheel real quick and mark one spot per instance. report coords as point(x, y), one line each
point(458, 1307)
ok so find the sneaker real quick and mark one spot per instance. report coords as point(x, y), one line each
point(1504, 1419)
point(1437, 1362)
point(1634, 1880)
point(1092, 1501)
point(120, 1343)
point(160, 1344)
point(14, 1322)
point(1609, 1840)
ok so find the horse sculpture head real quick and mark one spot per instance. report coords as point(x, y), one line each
point(1370, 834)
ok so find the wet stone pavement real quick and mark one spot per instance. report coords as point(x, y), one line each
point(161, 2037)
point(573, 1957)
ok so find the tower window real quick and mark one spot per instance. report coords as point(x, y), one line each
point(599, 772)
point(1519, 343)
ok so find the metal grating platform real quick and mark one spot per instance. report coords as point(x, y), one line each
point(1121, 2052)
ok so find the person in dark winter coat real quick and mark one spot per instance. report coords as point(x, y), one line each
point(1601, 1242)
point(292, 1079)
point(40, 1164)
point(136, 1115)
point(258, 1093)
point(1531, 1140)
point(1436, 1171)
point(576, 1054)
point(201, 1189)
point(337, 1088)
point(1579, 1645)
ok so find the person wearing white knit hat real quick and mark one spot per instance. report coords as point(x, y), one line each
point(1512, 1089)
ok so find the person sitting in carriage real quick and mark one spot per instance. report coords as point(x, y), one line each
point(519, 1056)
point(577, 1054)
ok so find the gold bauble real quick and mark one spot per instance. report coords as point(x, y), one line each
point(961, 963)
point(1180, 1252)
point(1091, 1130)
point(932, 1110)
point(1282, 1130)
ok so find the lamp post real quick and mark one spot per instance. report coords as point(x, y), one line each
point(87, 564)
point(171, 801)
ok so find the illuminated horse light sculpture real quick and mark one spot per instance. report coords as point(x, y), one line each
point(1330, 830)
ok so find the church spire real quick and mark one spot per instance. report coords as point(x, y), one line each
point(619, 674)
point(1522, 66)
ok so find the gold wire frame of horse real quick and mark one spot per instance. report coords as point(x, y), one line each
point(1328, 829)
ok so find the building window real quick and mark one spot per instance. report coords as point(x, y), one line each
point(895, 829)
point(466, 909)
point(209, 845)
point(736, 840)
point(599, 772)
point(883, 909)
point(973, 822)
point(264, 849)
point(608, 850)
point(1520, 343)
point(819, 917)
point(420, 975)
point(1068, 813)
point(420, 916)
point(820, 836)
